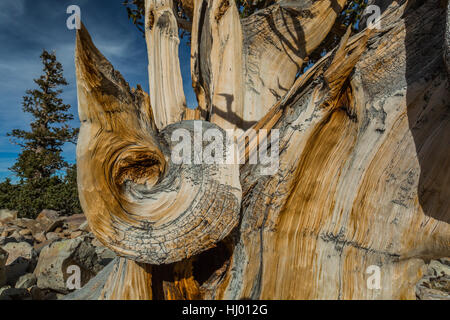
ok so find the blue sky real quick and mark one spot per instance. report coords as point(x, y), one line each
point(28, 26)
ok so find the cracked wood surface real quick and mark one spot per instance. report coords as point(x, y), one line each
point(240, 68)
point(363, 182)
point(364, 177)
point(138, 201)
point(277, 40)
point(166, 85)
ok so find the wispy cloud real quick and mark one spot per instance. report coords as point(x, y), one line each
point(10, 10)
point(28, 26)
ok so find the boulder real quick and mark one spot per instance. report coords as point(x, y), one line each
point(46, 215)
point(16, 237)
point(76, 234)
point(52, 270)
point(26, 281)
point(42, 294)
point(15, 294)
point(40, 237)
point(37, 293)
point(87, 256)
point(19, 249)
point(74, 221)
point(3, 259)
point(12, 233)
point(7, 215)
point(4, 288)
point(104, 254)
point(52, 236)
point(25, 232)
point(22, 258)
point(42, 225)
point(84, 227)
point(39, 246)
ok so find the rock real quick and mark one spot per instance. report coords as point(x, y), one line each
point(3, 259)
point(60, 296)
point(14, 233)
point(42, 294)
point(46, 215)
point(4, 288)
point(15, 294)
point(44, 224)
point(39, 246)
point(40, 237)
point(75, 221)
point(24, 232)
point(87, 256)
point(8, 231)
point(7, 215)
point(37, 293)
point(16, 236)
point(15, 270)
point(105, 255)
point(84, 227)
point(22, 258)
point(19, 249)
point(76, 234)
point(93, 289)
point(22, 223)
point(95, 241)
point(55, 259)
point(51, 270)
point(26, 281)
point(52, 236)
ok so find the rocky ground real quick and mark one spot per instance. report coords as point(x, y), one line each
point(38, 257)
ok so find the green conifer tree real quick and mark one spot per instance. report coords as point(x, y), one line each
point(40, 166)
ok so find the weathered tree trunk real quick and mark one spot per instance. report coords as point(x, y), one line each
point(364, 171)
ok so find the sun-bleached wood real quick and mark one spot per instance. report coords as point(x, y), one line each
point(166, 85)
point(363, 178)
point(137, 200)
point(216, 62)
point(240, 68)
point(277, 40)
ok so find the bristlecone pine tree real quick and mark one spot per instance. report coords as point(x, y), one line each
point(40, 164)
point(364, 157)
